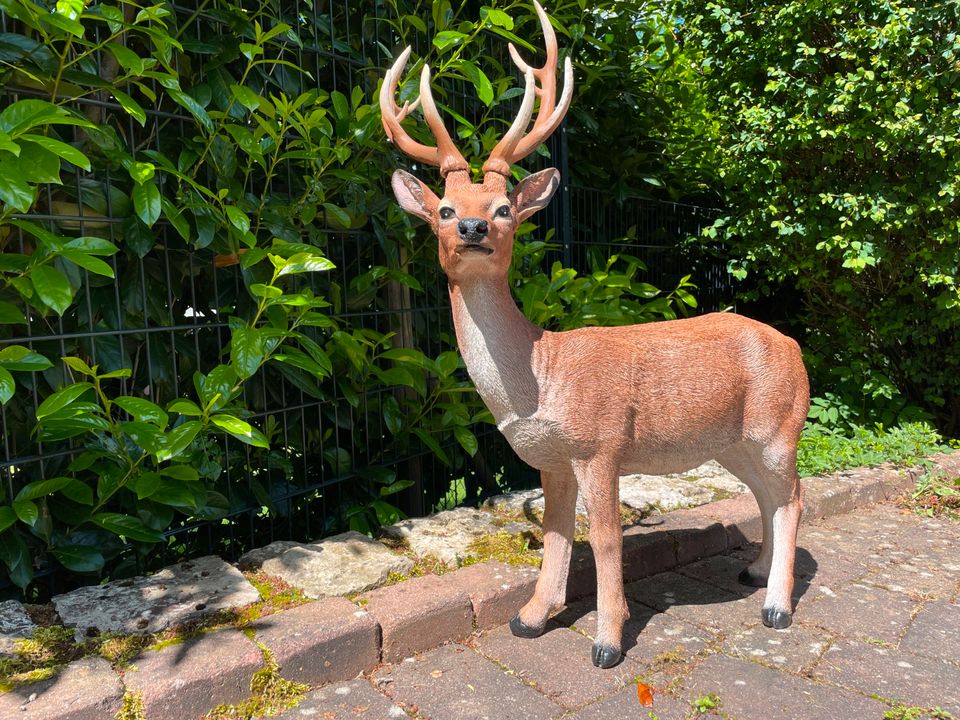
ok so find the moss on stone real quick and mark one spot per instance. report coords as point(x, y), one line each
point(271, 694)
point(511, 548)
point(131, 707)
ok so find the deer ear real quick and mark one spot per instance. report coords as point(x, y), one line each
point(534, 192)
point(413, 196)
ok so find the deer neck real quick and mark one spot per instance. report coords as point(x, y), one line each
point(499, 347)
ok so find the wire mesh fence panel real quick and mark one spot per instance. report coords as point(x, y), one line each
point(246, 140)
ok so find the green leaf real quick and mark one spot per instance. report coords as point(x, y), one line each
point(10, 314)
point(179, 439)
point(447, 363)
point(146, 202)
point(193, 107)
point(88, 262)
point(185, 473)
point(91, 246)
point(241, 430)
point(303, 262)
point(23, 115)
point(141, 172)
point(53, 287)
point(185, 407)
point(16, 193)
point(238, 218)
point(78, 365)
point(341, 218)
point(393, 415)
point(143, 410)
point(27, 511)
point(245, 96)
point(145, 435)
point(7, 386)
point(146, 484)
point(447, 39)
point(17, 557)
point(42, 488)
point(433, 445)
point(59, 148)
point(246, 350)
point(466, 438)
point(79, 492)
point(480, 81)
point(79, 558)
point(62, 398)
point(127, 526)
point(7, 517)
point(131, 106)
point(498, 18)
point(20, 358)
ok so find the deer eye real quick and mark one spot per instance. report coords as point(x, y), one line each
point(503, 211)
point(446, 213)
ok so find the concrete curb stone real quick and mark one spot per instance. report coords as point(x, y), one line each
point(184, 681)
point(322, 641)
point(419, 614)
point(335, 639)
point(87, 689)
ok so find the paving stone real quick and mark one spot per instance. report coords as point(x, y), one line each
point(652, 639)
point(935, 632)
point(322, 641)
point(497, 590)
point(148, 604)
point(15, 625)
point(87, 689)
point(915, 579)
point(339, 565)
point(749, 691)
point(573, 683)
point(720, 571)
point(624, 704)
point(419, 614)
point(448, 535)
point(182, 682)
point(345, 701)
point(893, 675)
point(795, 649)
point(455, 683)
point(668, 589)
point(861, 611)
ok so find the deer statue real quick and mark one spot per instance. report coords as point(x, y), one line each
point(584, 406)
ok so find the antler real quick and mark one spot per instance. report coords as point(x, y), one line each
point(515, 146)
point(445, 155)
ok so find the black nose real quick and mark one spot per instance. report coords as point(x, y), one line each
point(472, 229)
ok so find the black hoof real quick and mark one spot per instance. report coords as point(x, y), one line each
point(745, 578)
point(776, 619)
point(605, 656)
point(519, 628)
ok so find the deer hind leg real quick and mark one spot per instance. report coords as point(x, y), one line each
point(770, 473)
point(559, 518)
point(599, 481)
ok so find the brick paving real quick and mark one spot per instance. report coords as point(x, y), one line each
point(876, 633)
point(876, 630)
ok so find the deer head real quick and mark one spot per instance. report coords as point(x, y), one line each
point(475, 222)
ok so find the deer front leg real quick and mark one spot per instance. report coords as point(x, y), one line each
point(559, 517)
point(599, 481)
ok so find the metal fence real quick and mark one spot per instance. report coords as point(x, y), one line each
point(301, 489)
